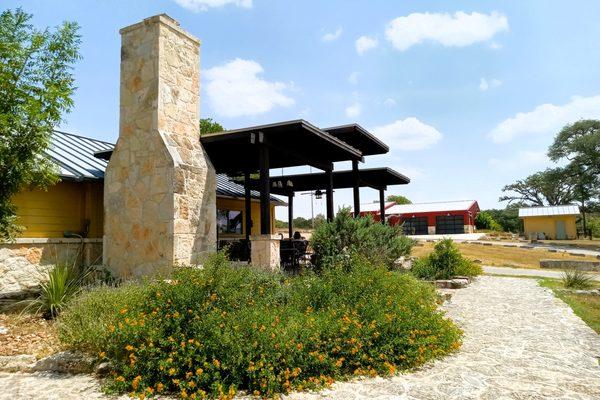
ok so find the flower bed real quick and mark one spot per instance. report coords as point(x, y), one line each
point(215, 331)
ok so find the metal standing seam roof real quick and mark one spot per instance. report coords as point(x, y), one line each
point(374, 207)
point(568, 209)
point(444, 206)
point(74, 156)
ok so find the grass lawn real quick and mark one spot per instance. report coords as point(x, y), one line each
point(586, 307)
point(500, 256)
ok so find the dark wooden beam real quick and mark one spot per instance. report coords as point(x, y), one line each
point(260, 137)
point(291, 215)
point(329, 193)
point(382, 205)
point(356, 188)
point(265, 190)
point(248, 204)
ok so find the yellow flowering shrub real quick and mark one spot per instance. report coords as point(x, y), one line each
point(215, 331)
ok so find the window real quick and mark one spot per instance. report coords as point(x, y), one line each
point(229, 222)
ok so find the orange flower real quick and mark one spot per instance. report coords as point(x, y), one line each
point(120, 379)
point(129, 347)
point(199, 371)
point(217, 363)
point(171, 371)
point(136, 381)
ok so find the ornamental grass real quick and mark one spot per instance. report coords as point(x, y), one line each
point(215, 331)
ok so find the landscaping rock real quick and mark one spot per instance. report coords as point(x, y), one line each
point(571, 264)
point(3, 330)
point(459, 283)
point(19, 363)
point(404, 263)
point(66, 362)
point(103, 368)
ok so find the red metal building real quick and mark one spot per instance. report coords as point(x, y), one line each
point(449, 217)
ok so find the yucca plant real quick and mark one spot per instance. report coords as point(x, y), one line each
point(576, 279)
point(62, 284)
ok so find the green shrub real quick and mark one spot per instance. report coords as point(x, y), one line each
point(339, 240)
point(214, 331)
point(485, 220)
point(576, 279)
point(444, 262)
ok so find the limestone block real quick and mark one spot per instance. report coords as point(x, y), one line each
point(264, 252)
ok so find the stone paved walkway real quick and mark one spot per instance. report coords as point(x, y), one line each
point(520, 343)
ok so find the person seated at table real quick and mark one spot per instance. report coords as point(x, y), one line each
point(297, 236)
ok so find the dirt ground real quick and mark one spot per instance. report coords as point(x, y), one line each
point(27, 334)
point(503, 256)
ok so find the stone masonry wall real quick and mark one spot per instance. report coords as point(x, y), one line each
point(160, 187)
point(24, 264)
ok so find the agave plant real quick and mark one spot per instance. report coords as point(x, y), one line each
point(576, 279)
point(63, 283)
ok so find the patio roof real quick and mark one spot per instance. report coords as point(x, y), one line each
point(290, 143)
point(359, 138)
point(376, 178)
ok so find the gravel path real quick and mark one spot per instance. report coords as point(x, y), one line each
point(520, 343)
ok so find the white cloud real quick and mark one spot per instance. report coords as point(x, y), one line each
point(353, 110)
point(484, 84)
point(353, 78)
point(389, 102)
point(365, 43)
point(457, 30)
point(546, 119)
point(331, 36)
point(495, 46)
point(408, 134)
point(203, 5)
point(522, 159)
point(234, 89)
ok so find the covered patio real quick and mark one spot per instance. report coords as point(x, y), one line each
point(246, 156)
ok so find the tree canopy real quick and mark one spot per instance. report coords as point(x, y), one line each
point(36, 88)
point(549, 187)
point(398, 199)
point(207, 125)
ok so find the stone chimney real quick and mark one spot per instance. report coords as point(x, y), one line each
point(160, 186)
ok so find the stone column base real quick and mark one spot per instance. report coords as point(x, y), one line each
point(265, 252)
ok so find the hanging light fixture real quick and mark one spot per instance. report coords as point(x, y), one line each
point(318, 194)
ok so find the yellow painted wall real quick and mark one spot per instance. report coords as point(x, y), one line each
point(66, 205)
point(224, 203)
point(63, 207)
point(547, 225)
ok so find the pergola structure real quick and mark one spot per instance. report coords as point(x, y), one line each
point(359, 138)
point(376, 178)
point(242, 152)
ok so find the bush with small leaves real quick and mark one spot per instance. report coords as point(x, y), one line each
point(445, 262)
point(214, 331)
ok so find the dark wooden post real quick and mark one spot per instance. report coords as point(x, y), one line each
point(248, 205)
point(291, 214)
point(356, 188)
point(382, 205)
point(265, 191)
point(329, 193)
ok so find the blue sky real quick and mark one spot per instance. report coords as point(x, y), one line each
point(468, 94)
